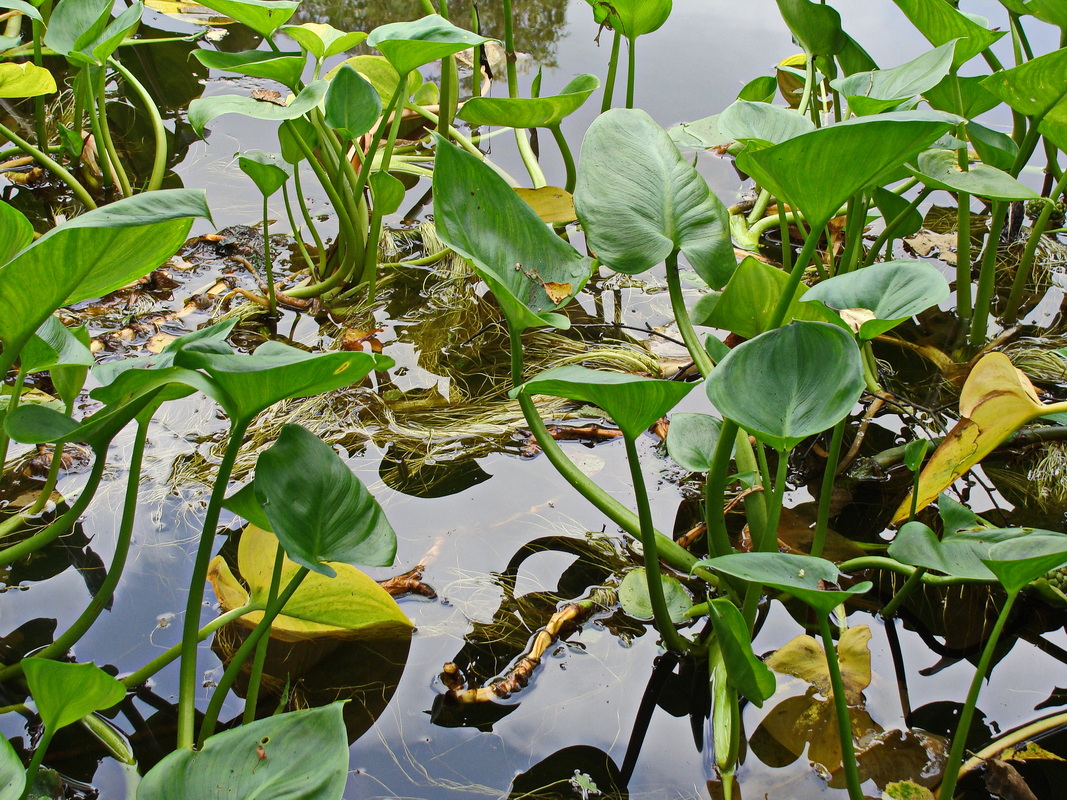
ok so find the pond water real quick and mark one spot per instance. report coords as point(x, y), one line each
point(486, 509)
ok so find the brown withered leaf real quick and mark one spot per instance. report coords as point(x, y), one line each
point(268, 96)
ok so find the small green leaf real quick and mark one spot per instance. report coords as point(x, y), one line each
point(880, 90)
point(12, 772)
point(410, 45)
point(915, 453)
point(84, 31)
point(759, 90)
point(243, 503)
point(53, 344)
point(633, 402)
point(262, 16)
point(282, 67)
point(387, 191)
point(746, 121)
point(631, 18)
point(633, 596)
point(25, 80)
point(959, 554)
point(964, 96)
point(744, 671)
point(993, 147)
point(322, 40)
point(891, 205)
point(204, 109)
point(816, 27)
point(639, 200)
point(1023, 559)
point(317, 508)
point(892, 291)
point(69, 378)
point(789, 383)
point(939, 169)
point(530, 112)
point(691, 440)
point(269, 171)
point(64, 692)
point(352, 105)
point(305, 757)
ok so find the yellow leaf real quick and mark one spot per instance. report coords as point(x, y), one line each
point(551, 203)
point(997, 400)
point(804, 658)
point(351, 605)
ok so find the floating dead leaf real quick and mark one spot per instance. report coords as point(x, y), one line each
point(1004, 781)
point(156, 343)
point(552, 204)
point(193, 13)
point(268, 96)
point(558, 292)
point(804, 658)
point(997, 400)
point(938, 245)
point(354, 339)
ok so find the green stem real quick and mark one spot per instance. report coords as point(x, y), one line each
point(857, 214)
point(218, 697)
point(37, 760)
point(891, 565)
point(159, 132)
point(51, 165)
point(844, 723)
point(100, 108)
point(63, 524)
point(826, 493)
point(809, 85)
point(964, 306)
point(890, 608)
point(1026, 263)
point(187, 678)
point(62, 644)
point(715, 490)
point(890, 230)
point(509, 50)
point(959, 741)
point(794, 277)
point(987, 275)
point(12, 404)
point(38, 101)
point(313, 268)
point(268, 265)
point(260, 658)
point(613, 70)
point(681, 315)
point(568, 157)
point(763, 199)
point(169, 656)
point(631, 70)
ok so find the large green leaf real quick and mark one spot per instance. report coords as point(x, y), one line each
point(639, 200)
point(940, 23)
point(380, 74)
point(961, 95)
point(282, 67)
point(268, 171)
point(789, 383)
point(410, 45)
point(64, 692)
point(323, 40)
point(91, 255)
point(633, 402)
point(204, 109)
point(819, 171)
point(1024, 559)
point(1053, 12)
point(691, 440)
point(746, 121)
point(994, 148)
point(530, 270)
point(317, 508)
point(15, 231)
point(54, 344)
point(305, 757)
point(25, 80)
point(275, 371)
point(892, 291)
point(12, 772)
point(940, 169)
point(262, 16)
point(956, 553)
point(352, 105)
point(747, 304)
point(635, 600)
point(631, 18)
point(744, 671)
point(815, 26)
point(880, 90)
point(800, 576)
point(84, 32)
point(530, 112)
point(1037, 89)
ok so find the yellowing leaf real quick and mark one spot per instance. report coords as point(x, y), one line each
point(25, 80)
point(855, 317)
point(190, 12)
point(804, 658)
point(350, 605)
point(551, 203)
point(997, 400)
point(1031, 751)
point(558, 292)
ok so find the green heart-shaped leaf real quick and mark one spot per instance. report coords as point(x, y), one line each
point(322, 40)
point(530, 112)
point(815, 26)
point(941, 23)
point(691, 440)
point(410, 45)
point(204, 109)
point(262, 16)
point(64, 692)
point(633, 402)
point(54, 344)
point(959, 554)
point(631, 18)
point(634, 599)
point(1024, 559)
point(745, 121)
point(282, 67)
point(961, 95)
point(352, 105)
point(1037, 89)
point(305, 757)
point(639, 200)
point(269, 171)
point(892, 291)
point(939, 169)
point(387, 191)
point(317, 508)
point(880, 90)
point(789, 383)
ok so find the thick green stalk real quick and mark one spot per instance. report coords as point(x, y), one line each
point(51, 165)
point(187, 678)
point(59, 647)
point(681, 315)
point(890, 230)
point(159, 132)
point(1026, 263)
point(826, 493)
point(795, 276)
point(313, 268)
point(35, 762)
point(844, 724)
point(61, 525)
point(509, 50)
point(12, 404)
point(763, 199)
point(857, 215)
point(715, 490)
point(100, 109)
point(260, 658)
point(631, 70)
point(211, 715)
point(806, 106)
point(568, 157)
point(987, 275)
point(139, 677)
point(268, 265)
point(660, 614)
point(613, 71)
point(964, 307)
point(959, 741)
point(40, 128)
point(913, 580)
